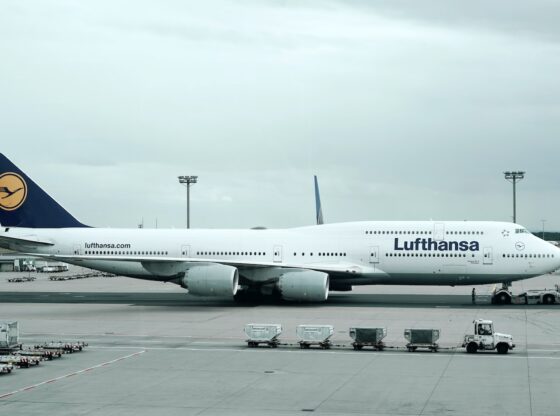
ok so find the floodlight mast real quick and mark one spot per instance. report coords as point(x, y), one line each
point(514, 177)
point(188, 181)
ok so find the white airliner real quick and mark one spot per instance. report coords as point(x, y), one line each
point(299, 264)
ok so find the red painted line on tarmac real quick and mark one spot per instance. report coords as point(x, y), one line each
point(52, 380)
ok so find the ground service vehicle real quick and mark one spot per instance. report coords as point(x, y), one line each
point(484, 338)
point(503, 296)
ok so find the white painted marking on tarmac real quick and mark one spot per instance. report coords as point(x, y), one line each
point(52, 380)
point(90, 334)
point(457, 354)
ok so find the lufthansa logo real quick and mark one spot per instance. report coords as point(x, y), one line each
point(13, 191)
point(519, 245)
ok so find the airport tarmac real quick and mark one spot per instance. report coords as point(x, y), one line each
point(153, 349)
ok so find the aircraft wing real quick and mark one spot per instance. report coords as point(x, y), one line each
point(172, 265)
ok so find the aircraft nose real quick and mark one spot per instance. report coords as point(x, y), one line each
point(557, 257)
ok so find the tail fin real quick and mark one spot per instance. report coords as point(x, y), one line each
point(318, 209)
point(24, 204)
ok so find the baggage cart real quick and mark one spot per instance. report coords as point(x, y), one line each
point(21, 279)
point(65, 347)
point(19, 361)
point(263, 334)
point(422, 338)
point(309, 335)
point(372, 337)
point(41, 353)
point(6, 368)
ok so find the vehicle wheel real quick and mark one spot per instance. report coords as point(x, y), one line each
point(472, 348)
point(503, 299)
point(502, 348)
point(548, 299)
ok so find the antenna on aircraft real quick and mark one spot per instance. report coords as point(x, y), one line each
point(318, 209)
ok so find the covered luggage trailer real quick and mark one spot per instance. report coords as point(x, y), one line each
point(263, 334)
point(309, 335)
point(372, 337)
point(422, 338)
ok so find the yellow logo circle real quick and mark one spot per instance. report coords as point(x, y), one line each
point(13, 191)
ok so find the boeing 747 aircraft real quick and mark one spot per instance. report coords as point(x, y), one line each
point(299, 264)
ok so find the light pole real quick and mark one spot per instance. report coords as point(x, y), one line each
point(514, 177)
point(543, 221)
point(188, 181)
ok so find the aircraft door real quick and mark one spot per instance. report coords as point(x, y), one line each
point(277, 258)
point(185, 251)
point(374, 254)
point(77, 249)
point(488, 258)
point(439, 231)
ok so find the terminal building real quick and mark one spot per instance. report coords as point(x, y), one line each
point(9, 261)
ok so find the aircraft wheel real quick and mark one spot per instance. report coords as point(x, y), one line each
point(503, 298)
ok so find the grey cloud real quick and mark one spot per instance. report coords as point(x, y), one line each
point(520, 18)
point(402, 116)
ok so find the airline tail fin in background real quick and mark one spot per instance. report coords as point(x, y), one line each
point(318, 208)
point(24, 204)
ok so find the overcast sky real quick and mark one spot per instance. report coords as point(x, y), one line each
point(406, 110)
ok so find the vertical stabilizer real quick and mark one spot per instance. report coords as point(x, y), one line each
point(24, 204)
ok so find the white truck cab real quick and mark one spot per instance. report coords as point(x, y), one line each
point(484, 338)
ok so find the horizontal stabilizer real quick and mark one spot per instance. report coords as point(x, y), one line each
point(16, 243)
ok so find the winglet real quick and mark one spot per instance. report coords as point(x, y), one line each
point(318, 209)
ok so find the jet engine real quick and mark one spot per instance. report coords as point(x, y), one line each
point(211, 280)
point(304, 285)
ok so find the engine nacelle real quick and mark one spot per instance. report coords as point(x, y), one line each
point(304, 285)
point(211, 280)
